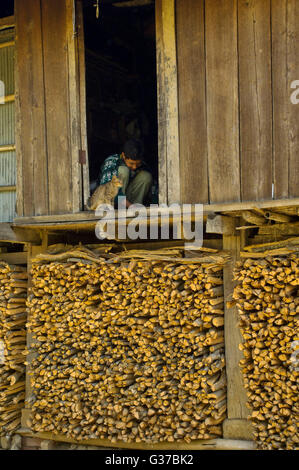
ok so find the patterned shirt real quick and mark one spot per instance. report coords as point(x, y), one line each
point(110, 168)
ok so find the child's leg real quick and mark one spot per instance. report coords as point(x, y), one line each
point(139, 187)
point(124, 176)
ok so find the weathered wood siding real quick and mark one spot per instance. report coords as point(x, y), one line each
point(238, 129)
point(48, 117)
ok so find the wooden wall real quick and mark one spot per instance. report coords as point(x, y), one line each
point(238, 130)
point(228, 131)
point(48, 118)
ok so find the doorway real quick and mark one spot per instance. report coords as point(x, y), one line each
point(121, 82)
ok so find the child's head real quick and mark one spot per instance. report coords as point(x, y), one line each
point(132, 154)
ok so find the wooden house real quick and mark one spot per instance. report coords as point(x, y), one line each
point(223, 120)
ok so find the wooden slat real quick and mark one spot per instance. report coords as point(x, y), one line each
point(6, 44)
point(162, 127)
point(7, 148)
point(285, 69)
point(18, 131)
point(7, 22)
point(255, 99)
point(87, 220)
point(167, 102)
point(30, 123)
point(17, 235)
point(14, 258)
point(293, 68)
point(74, 106)
point(222, 100)
point(54, 27)
point(208, 444)
point(7, 188)
point(9, 98)
point(192, 101)
point(236, 394)
point(82, 93)
point(281, 103)
point(171, 90)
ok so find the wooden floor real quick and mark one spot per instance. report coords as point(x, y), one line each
point(87, 220)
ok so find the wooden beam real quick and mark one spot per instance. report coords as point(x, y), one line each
point(237, 429)
point(6, 44)
point(7, 22)
point(7, 148)
point(162, 147)
point(59, 116)
point(285, 70)
point(14, 258)
point(82, 93)
point(221, 224)
point(83, 217)
point(169, 158)
point(8, 98)
point(74, 106)
point(4, 189)
point(254, 48)
point(250, 205)
point(18, 235)
point(223, 100)
point(190, 32)
point(212, 444)
point(236, 394)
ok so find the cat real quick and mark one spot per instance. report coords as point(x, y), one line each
point(104, 194)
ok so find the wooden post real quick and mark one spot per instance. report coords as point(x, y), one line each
point(236, 425)
point(74, 105)
point(169, 158)
point(82, 97)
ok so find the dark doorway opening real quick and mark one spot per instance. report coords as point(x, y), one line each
point(6, 8)
point(121, 81)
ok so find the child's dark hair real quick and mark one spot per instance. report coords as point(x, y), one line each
point(133, 149)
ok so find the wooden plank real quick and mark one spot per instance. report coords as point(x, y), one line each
point(212, 444)
point(18, 133)
point(236, 394)
point(82, 93)
point(7, 22)
point(220, 224)
point(208, 209)
point(281, 98)
point(3, 189)
point(17, 235)
point(54, 27)
point(222, 100)
point(237, 429)
point(14, 258)
point(284, 229)
point(30, 120)
point(9, 99)
point(162, 127)
point(6, 44)
point(171, 91)
point(192, 101)
point(293, 69)
point(74, 106)
point(169, 160)
point(7, 148)
point(254, 37)
point(285, 70)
